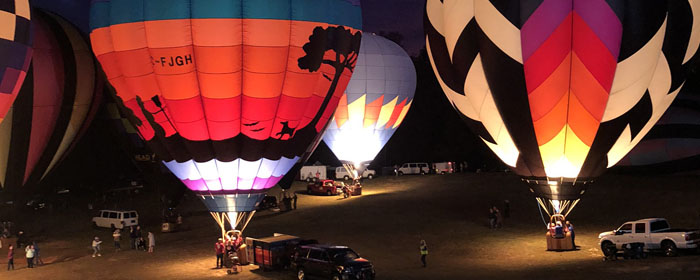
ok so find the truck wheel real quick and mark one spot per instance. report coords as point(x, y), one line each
point(308, 191)
point(346, 178)
point(308, 179)
point(301, 275)
point(335, 277)
point(329, 193)
point(669, 248)
point(422, 172)
point(370, 176)
point(443, 172)
point(606, 248)
point(400, 173)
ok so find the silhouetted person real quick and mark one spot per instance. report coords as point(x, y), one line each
point(220, 250)
point(21, 239)
point(37, 254)
point(492, 219)
point(506, 208)
point(133, 237)
point(570, 228)
point(10, 257)
point(295, 201)
point(423, 252)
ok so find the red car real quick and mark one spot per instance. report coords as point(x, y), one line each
point(327, 187)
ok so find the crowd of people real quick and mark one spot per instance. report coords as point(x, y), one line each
point(559, 230)
point(227, 251)
point(137, 241)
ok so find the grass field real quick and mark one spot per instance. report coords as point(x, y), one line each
point(387, 222)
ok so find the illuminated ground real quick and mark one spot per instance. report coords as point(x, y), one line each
point(386, 223)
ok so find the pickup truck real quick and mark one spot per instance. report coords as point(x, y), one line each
point(655, 233)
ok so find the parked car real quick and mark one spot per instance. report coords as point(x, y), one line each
point(414, 168)
point(313, 173)
point(655, 233)
point(330, 262)
point(444, 167)
point(342, 173)
point(116, 219)
point(327, 187)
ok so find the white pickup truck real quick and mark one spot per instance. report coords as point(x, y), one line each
point(655, 233)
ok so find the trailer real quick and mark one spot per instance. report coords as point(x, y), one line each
point(273, 252)
point(313, 172)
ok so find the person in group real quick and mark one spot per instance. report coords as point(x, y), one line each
point(37, 254)
point(492, 218)
point(552, 228)
point(21, 239)
point(220, 249)
point(558, 230)
point(10, 257)
point(570, 228)
point(117, 235)
point(29, 250)
point(499, 217)
point(133, 237)
point(151, 242)
point(96, 247)
point(295, 201)
point(423, 252)
point(141, 244)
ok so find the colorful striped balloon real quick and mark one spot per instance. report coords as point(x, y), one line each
point(228, 93)
point(54, 106)
point(15, 49)
point(375, 101)
point(561, 89)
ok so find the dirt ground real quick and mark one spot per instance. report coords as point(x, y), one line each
point(387, 222)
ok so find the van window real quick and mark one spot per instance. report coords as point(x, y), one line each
point(133, 214)
point(303, 253)
point(423, 165)
point(640, 228)
point(412, 165)
point(119, 215)
point(338, 170)
point(126, 215)
point(112, 215)
point(105, 214)
point(404, 165)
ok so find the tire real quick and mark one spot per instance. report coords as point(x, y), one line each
point(335, 277)
point(422, 173)
point(669, 248)
point(301, 274)
point(308, 180)
point(370, 176)
point(400, 173)
point(329, 193)
point(308, 191)
point(443, 172)
point(604, 248)
point(346, 178)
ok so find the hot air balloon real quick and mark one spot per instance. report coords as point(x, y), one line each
point(228, 94)
point(15, 49)
point(673, 144)
point(561, 90)
point(54, 106)
point(374, 104)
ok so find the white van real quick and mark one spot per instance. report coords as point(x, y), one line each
point(414, 168)
point(308, 173)
point(342, 173)
point(116, 219)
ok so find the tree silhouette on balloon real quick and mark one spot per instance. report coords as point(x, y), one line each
point(346, 46)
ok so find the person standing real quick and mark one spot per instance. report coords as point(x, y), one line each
point(96, 247)
point(117, 235)
point(139, 237)
point(506, 208)
point(151, 242)
point(570, 227)
point(220, 250)
point(499, 217)
point(29, 250)
point(295, 201)
point(132, 236)
point(37, 254)
point(423, 252)
point(10, 257)
point(492, 219)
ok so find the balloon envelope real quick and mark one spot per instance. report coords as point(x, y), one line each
point(54, 105)
point(375, 102)
point(561, 90)
point(228, 94)
point(15, 49)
